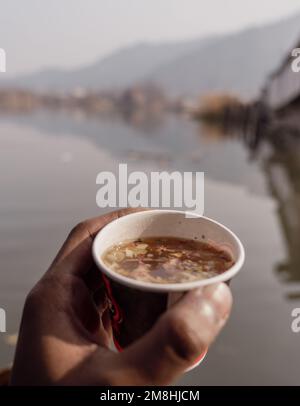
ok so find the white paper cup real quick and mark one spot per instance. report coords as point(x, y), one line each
point(136, 305)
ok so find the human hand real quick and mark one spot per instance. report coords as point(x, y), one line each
point(65, 331)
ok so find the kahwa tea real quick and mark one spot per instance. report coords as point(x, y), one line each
point(166, 260)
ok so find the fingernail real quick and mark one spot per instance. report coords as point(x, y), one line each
point(216, 291)
point(220, 295)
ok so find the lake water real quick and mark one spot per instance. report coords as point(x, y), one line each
point(48, 168)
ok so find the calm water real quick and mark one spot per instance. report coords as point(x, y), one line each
point(48, 168)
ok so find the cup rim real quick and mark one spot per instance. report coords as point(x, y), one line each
point(171, 287)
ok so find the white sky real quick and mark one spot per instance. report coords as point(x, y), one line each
point(68, 33)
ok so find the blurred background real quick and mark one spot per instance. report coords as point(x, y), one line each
point(162, 85)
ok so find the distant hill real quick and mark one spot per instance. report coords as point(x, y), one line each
point(237, 62)
point(121, 69)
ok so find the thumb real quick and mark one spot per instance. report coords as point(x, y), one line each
point(179, 337)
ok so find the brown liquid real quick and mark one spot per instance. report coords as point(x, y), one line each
point(167, 260)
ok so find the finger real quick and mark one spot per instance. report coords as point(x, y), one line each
point(75, 254)
point(181, 334)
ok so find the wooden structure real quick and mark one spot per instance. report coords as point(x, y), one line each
point(283, 86)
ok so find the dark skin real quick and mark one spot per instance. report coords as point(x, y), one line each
point(65, 330)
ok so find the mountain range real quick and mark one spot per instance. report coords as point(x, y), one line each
point(237, 63)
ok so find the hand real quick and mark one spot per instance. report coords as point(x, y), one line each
point(65, 330)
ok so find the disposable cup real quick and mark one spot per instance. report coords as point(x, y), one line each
point(136, 305)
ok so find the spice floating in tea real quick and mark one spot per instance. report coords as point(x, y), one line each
point(167, 260)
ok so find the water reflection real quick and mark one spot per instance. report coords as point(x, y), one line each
point(282, 167)
point(277, 150)
point(171, 142)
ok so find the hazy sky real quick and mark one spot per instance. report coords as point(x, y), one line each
point(68, 33)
